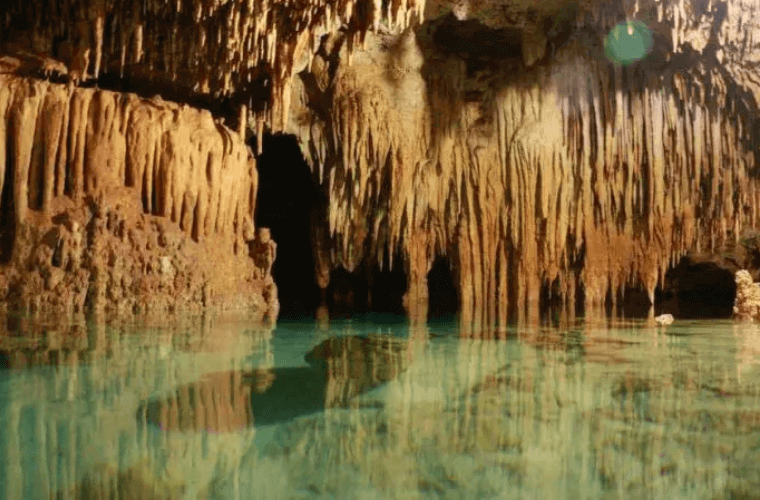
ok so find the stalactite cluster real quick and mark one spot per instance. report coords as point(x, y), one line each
point(117, 203)
point(217, 47)
point(57, 140)
point(534, 166)
point(575, 176)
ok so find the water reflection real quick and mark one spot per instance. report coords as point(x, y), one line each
point(340, 369)
point(594, 408)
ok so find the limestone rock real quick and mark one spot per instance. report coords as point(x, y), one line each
point(664, 319)
point(747, 304)
point(578, 176)
point(123, 205)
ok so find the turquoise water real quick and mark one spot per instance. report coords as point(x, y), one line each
point(216, 408)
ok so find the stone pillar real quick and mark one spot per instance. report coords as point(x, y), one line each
point(419, 263)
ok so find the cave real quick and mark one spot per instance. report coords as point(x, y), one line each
point(633, 302)
point(285, 200)
point(442, 291)
point(698, 290)
point(525, 138)
point(370, 291)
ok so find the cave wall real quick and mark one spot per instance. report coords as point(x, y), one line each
point(124, 204)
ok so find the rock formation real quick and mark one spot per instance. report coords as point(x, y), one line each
point(574, 175)
point(496, 133)
point(112, 202)
point(747, 305)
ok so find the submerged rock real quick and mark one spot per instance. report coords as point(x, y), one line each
point(664, 319)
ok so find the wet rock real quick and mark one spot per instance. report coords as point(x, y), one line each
point(264, 251)
point(664, 319)
point(54, 276)
point(166, 269)
point(747, 303)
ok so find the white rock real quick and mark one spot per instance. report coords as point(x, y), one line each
point(664, 319)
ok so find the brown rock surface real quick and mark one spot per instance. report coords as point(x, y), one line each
point(747, 305)
point(574, 175)
point(115, 203)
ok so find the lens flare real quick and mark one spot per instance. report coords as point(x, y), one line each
point(628, 42)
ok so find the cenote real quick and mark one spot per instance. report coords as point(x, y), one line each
point(354, 249)
point(215, 408)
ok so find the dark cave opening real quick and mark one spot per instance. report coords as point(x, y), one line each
point(388, 286)
point(633, 302)
point(697, 290)
point(286, 196)
point(443, 298)
point(368, 289)
point(7, 209)
point(550, 301)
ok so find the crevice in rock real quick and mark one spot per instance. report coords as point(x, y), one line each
point(285, 200)
point(551, 300)
point(346, 293)
point(227, 108)
point(387, 287)
point(7, 205)
point(368, 289)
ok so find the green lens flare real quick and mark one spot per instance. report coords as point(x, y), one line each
point(628, 42)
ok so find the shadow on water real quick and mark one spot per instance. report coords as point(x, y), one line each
point(340, 368)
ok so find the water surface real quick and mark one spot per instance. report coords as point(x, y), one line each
point(217, 408)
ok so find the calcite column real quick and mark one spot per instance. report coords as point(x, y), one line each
point(418, 266)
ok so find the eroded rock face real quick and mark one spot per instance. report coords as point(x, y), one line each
point(747, 305)
point(136, 482)
point(107, 256)
point(119, 204)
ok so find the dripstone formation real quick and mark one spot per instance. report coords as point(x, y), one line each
point(498, 134)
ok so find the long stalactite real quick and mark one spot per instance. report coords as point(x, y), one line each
point(58, 140)
point(573, 175)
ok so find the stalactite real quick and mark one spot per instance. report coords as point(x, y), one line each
point(590, 175)
point(176, 156)
point(238, 39)
point(23, 120)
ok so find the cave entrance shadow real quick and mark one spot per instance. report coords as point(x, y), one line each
point(698, 290)
point(7, 205)
point(370, 290)
point(443, 297)
point(287, 193)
